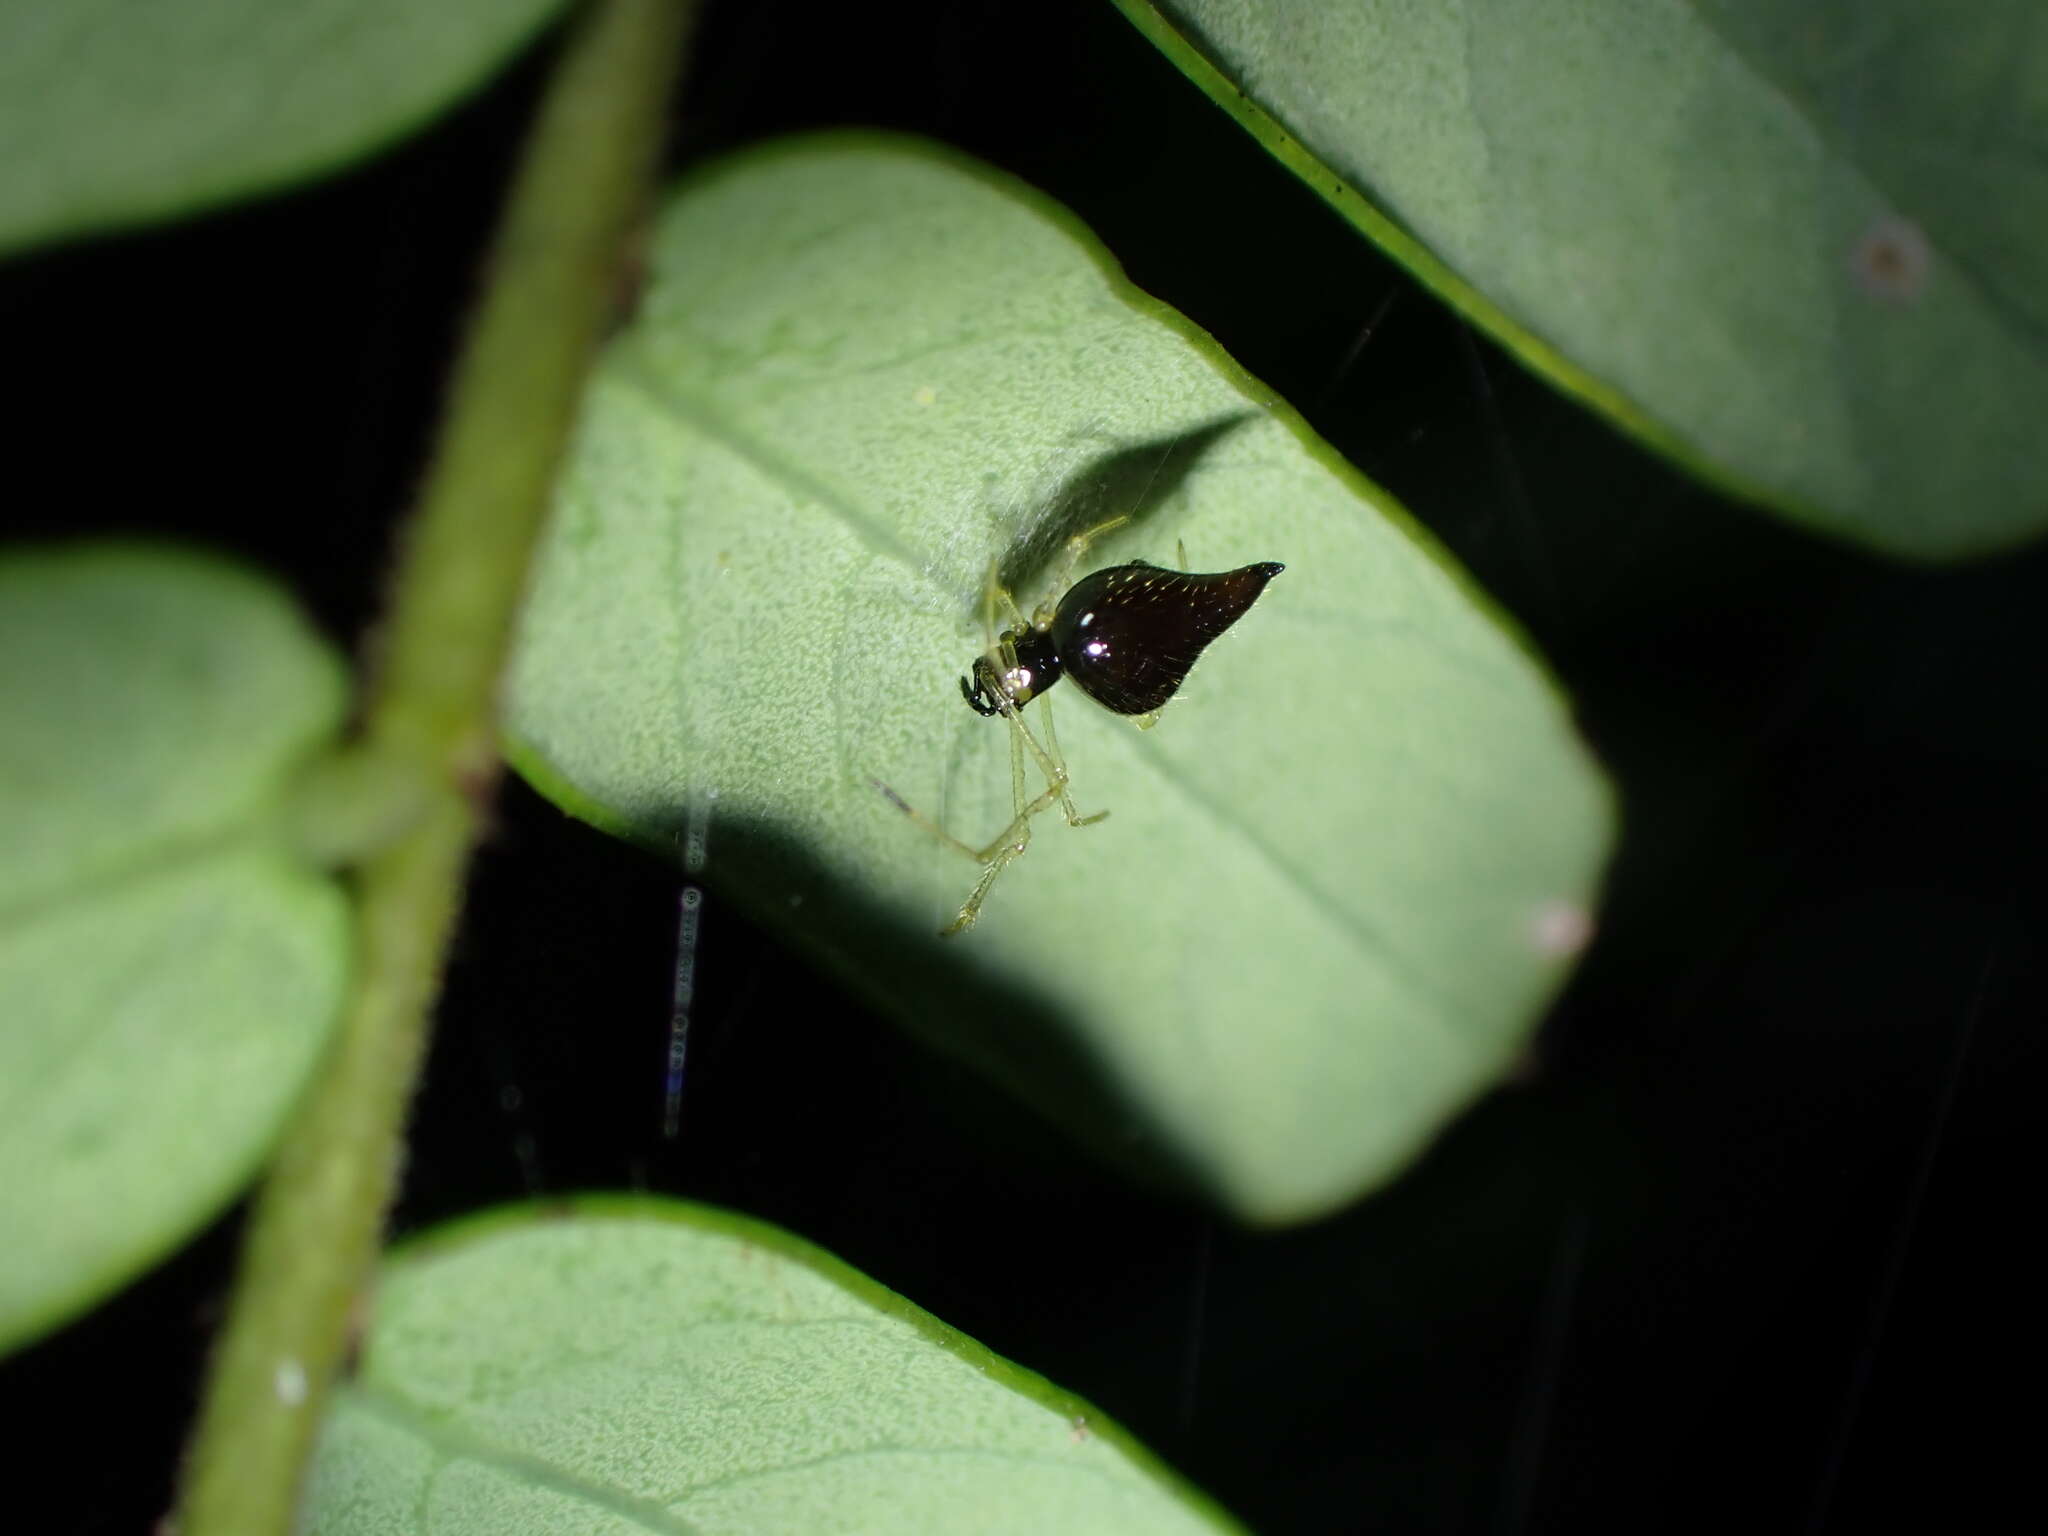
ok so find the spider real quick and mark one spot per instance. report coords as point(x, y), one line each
point(1127, 635)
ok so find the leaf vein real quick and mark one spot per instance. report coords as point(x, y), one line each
point(705, 418)
point(453, 1444)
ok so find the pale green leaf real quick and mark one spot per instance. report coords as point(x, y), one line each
point(1803, 248)
point(168, 969)
point(639, 1365)
point(116, 112)
point(1342, 877)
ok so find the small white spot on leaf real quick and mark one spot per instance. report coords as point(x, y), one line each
point(290, 1382)
point(1560, 928)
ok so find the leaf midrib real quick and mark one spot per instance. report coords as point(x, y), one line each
point(454, 1445)
point(242, 829)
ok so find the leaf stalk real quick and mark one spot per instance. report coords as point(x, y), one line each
point(316, 1227)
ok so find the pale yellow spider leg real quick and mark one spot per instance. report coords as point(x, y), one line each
point(925, 821)
point(1017, 796)
point(1077, 546)
point(994, 595)
point(1050, 760)
point(1015, 839)
point(1017, 621)
point(1050, 763)
point(1017, 832)
point(1059, 761)
point(1055, 771)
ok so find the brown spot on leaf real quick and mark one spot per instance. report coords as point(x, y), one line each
point(1892, 260)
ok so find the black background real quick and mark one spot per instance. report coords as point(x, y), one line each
point(1744, 1246)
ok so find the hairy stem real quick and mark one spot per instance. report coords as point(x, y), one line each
point(554, 273)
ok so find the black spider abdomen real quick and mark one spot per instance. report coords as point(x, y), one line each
point(1127, 636)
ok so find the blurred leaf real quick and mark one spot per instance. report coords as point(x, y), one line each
point(116, 113)
point(1802, 248)
point(644, 1365)
point(168, 968)
point(1343, 876)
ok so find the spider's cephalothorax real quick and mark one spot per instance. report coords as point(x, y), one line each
point(1022, 666)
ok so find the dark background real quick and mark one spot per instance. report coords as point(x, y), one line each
point(1744, 1247)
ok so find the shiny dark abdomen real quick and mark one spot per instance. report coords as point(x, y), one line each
point(1127, 636)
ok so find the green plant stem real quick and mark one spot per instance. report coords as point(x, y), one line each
point(554, 277)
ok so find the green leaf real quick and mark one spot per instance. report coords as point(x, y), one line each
point(1803, 249)
point(169, 968)
point(641, 1365)
point(117, 113)
point(1341, 878)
